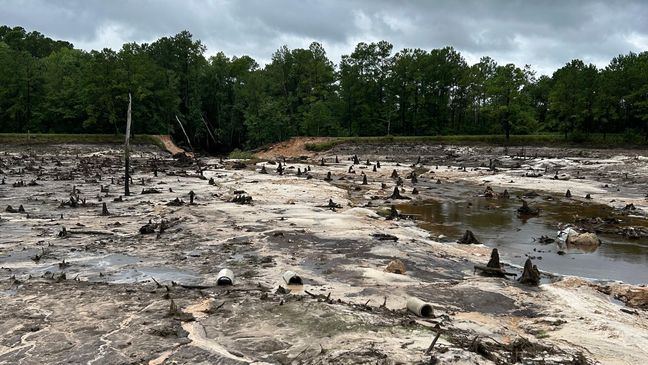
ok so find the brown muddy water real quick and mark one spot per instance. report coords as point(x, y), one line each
point(496, 224)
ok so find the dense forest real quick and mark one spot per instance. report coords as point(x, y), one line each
point(49, 86)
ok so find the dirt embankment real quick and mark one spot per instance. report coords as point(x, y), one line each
point(168, 144)
point(294, 147)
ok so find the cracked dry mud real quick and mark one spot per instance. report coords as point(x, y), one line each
point(103, 293)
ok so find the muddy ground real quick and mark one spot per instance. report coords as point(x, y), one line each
point(78, 285)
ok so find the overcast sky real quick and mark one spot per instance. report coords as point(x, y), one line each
point(545, 34)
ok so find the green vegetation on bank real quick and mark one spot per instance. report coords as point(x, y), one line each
point(550, 140)
point(227, 102)
point(241, 155)
point(51, 138)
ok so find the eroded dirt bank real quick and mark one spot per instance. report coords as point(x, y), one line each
point(104, 290)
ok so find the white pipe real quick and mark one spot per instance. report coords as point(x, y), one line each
point(419, 307)
point(225, 277)
point(291, 278)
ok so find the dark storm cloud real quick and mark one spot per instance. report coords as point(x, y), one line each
point(545, 34)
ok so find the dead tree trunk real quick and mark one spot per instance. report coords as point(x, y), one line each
point(127, 148)
point(190, 146)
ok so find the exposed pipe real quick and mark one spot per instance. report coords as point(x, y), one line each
point(225, 277)
point(291, 278)
point(419, 307)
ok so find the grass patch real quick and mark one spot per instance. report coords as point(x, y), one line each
point(46, 138)
point(554, 140)
point(241, 155)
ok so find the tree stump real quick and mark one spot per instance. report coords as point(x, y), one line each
point(494, 261)
point(393, 213)
point(394, 174)
point(336, 159)
point(489, 193)
point(469, 239)
point(356, 161)
point(333, 205)
point(568, 194)
point(526, 211)
point(364, 179)
point(378, 164)
point(328, 176)
point(104, 210)
point(397, 195)
point(530, 274)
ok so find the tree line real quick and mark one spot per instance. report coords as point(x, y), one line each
point(226, 102)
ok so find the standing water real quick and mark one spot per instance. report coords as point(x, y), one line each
point(496, 224)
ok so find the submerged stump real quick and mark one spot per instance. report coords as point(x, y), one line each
point(526, 211)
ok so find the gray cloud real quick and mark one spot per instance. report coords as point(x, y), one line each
point(544, 34)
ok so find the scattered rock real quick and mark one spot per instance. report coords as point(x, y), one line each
point(396, 267)
point(583, 239)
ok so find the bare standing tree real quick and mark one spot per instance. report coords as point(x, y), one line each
point(127, 148)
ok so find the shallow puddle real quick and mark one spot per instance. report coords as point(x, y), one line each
point(496, 224)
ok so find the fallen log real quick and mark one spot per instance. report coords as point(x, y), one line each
point(493, 271)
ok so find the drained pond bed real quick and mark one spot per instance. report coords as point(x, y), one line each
point(90, 275)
